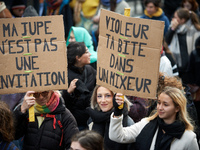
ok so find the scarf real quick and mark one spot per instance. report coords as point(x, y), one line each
point(189, 29)
point(174, 130)
point(156, 14)
point(101, 122)
point(107, 2)
point(50, 105)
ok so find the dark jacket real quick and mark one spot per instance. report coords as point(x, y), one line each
point(101, 122)
point(193, 68)
point(46, 137)
point(161, 17)
point(79, 100)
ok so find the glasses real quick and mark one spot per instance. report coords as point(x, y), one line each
point(44, 94)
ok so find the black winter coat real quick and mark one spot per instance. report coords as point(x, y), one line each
point(46, 137)
point(101, 122)
point(80, 99)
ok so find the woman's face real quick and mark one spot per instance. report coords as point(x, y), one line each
point(166, 108)
point(72, 37)
point(43, 97)
point(84, 59)
point(18, 12)
point(104, 99)
point(76, 146)
point(151, 8)
point(180, 21)
point(187, 5)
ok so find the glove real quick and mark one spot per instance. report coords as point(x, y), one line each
point(117, 111)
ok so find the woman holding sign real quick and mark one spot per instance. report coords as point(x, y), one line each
point(168, 128)
point(81, 81)
point(53, 127)
point(101, 108)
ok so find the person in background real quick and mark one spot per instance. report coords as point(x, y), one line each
point(100, 110)
point(6, 128)
point(181, 37)
point(171, 58)
point(87, 140)
point(54, 125)
point(83, 12)
point(81, 81)
point(170, 6)
point(191, 5)
point(169, 128)
point(30, 12)
point(17, 8)
point(194, 75)
point(80, 34)
point(155, 12)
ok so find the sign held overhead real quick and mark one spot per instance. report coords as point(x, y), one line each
point(32, 54)
point(129, 54)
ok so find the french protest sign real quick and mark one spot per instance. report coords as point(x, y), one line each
point(129, 54)
point(32, 54)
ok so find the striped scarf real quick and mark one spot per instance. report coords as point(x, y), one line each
point(50, 105)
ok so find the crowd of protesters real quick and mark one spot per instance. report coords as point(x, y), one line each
point(87, 116)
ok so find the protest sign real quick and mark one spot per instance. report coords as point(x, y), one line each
point(129, 54)
point(32, 54)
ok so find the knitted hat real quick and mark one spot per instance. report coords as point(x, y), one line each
point(30, 12)
point(2, 6)
point(17, 4)
point(4, 12)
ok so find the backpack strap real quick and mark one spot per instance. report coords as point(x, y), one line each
point(57, 118)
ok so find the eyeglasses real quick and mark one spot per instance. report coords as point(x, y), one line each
point(44, 94)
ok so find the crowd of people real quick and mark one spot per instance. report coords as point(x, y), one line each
point(87, 116)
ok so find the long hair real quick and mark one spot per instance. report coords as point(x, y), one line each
point(75, 49)
point(6, 122)
point(184, 13)
point(194, 4)
point(180, 101)
point(89, 140)
point(94, 104)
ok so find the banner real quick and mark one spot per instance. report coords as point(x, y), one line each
point(32, 54)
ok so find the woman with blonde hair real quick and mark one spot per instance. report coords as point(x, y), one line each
point(102, 105)
point(168, 128)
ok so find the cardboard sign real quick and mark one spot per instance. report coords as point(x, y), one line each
point(129, 54)
point(32, 54)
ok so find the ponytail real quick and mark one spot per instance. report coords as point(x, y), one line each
point(184, 13)
point(194, 20)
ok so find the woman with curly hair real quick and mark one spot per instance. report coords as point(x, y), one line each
point(6, 128)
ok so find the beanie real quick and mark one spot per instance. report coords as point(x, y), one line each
point(17, 4)
point(2, 6)
point(4, 12)
point(30, 12)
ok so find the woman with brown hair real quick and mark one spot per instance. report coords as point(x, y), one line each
point(181, 37)
point(191, 5)
point(6, 128)
point(87, 140)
